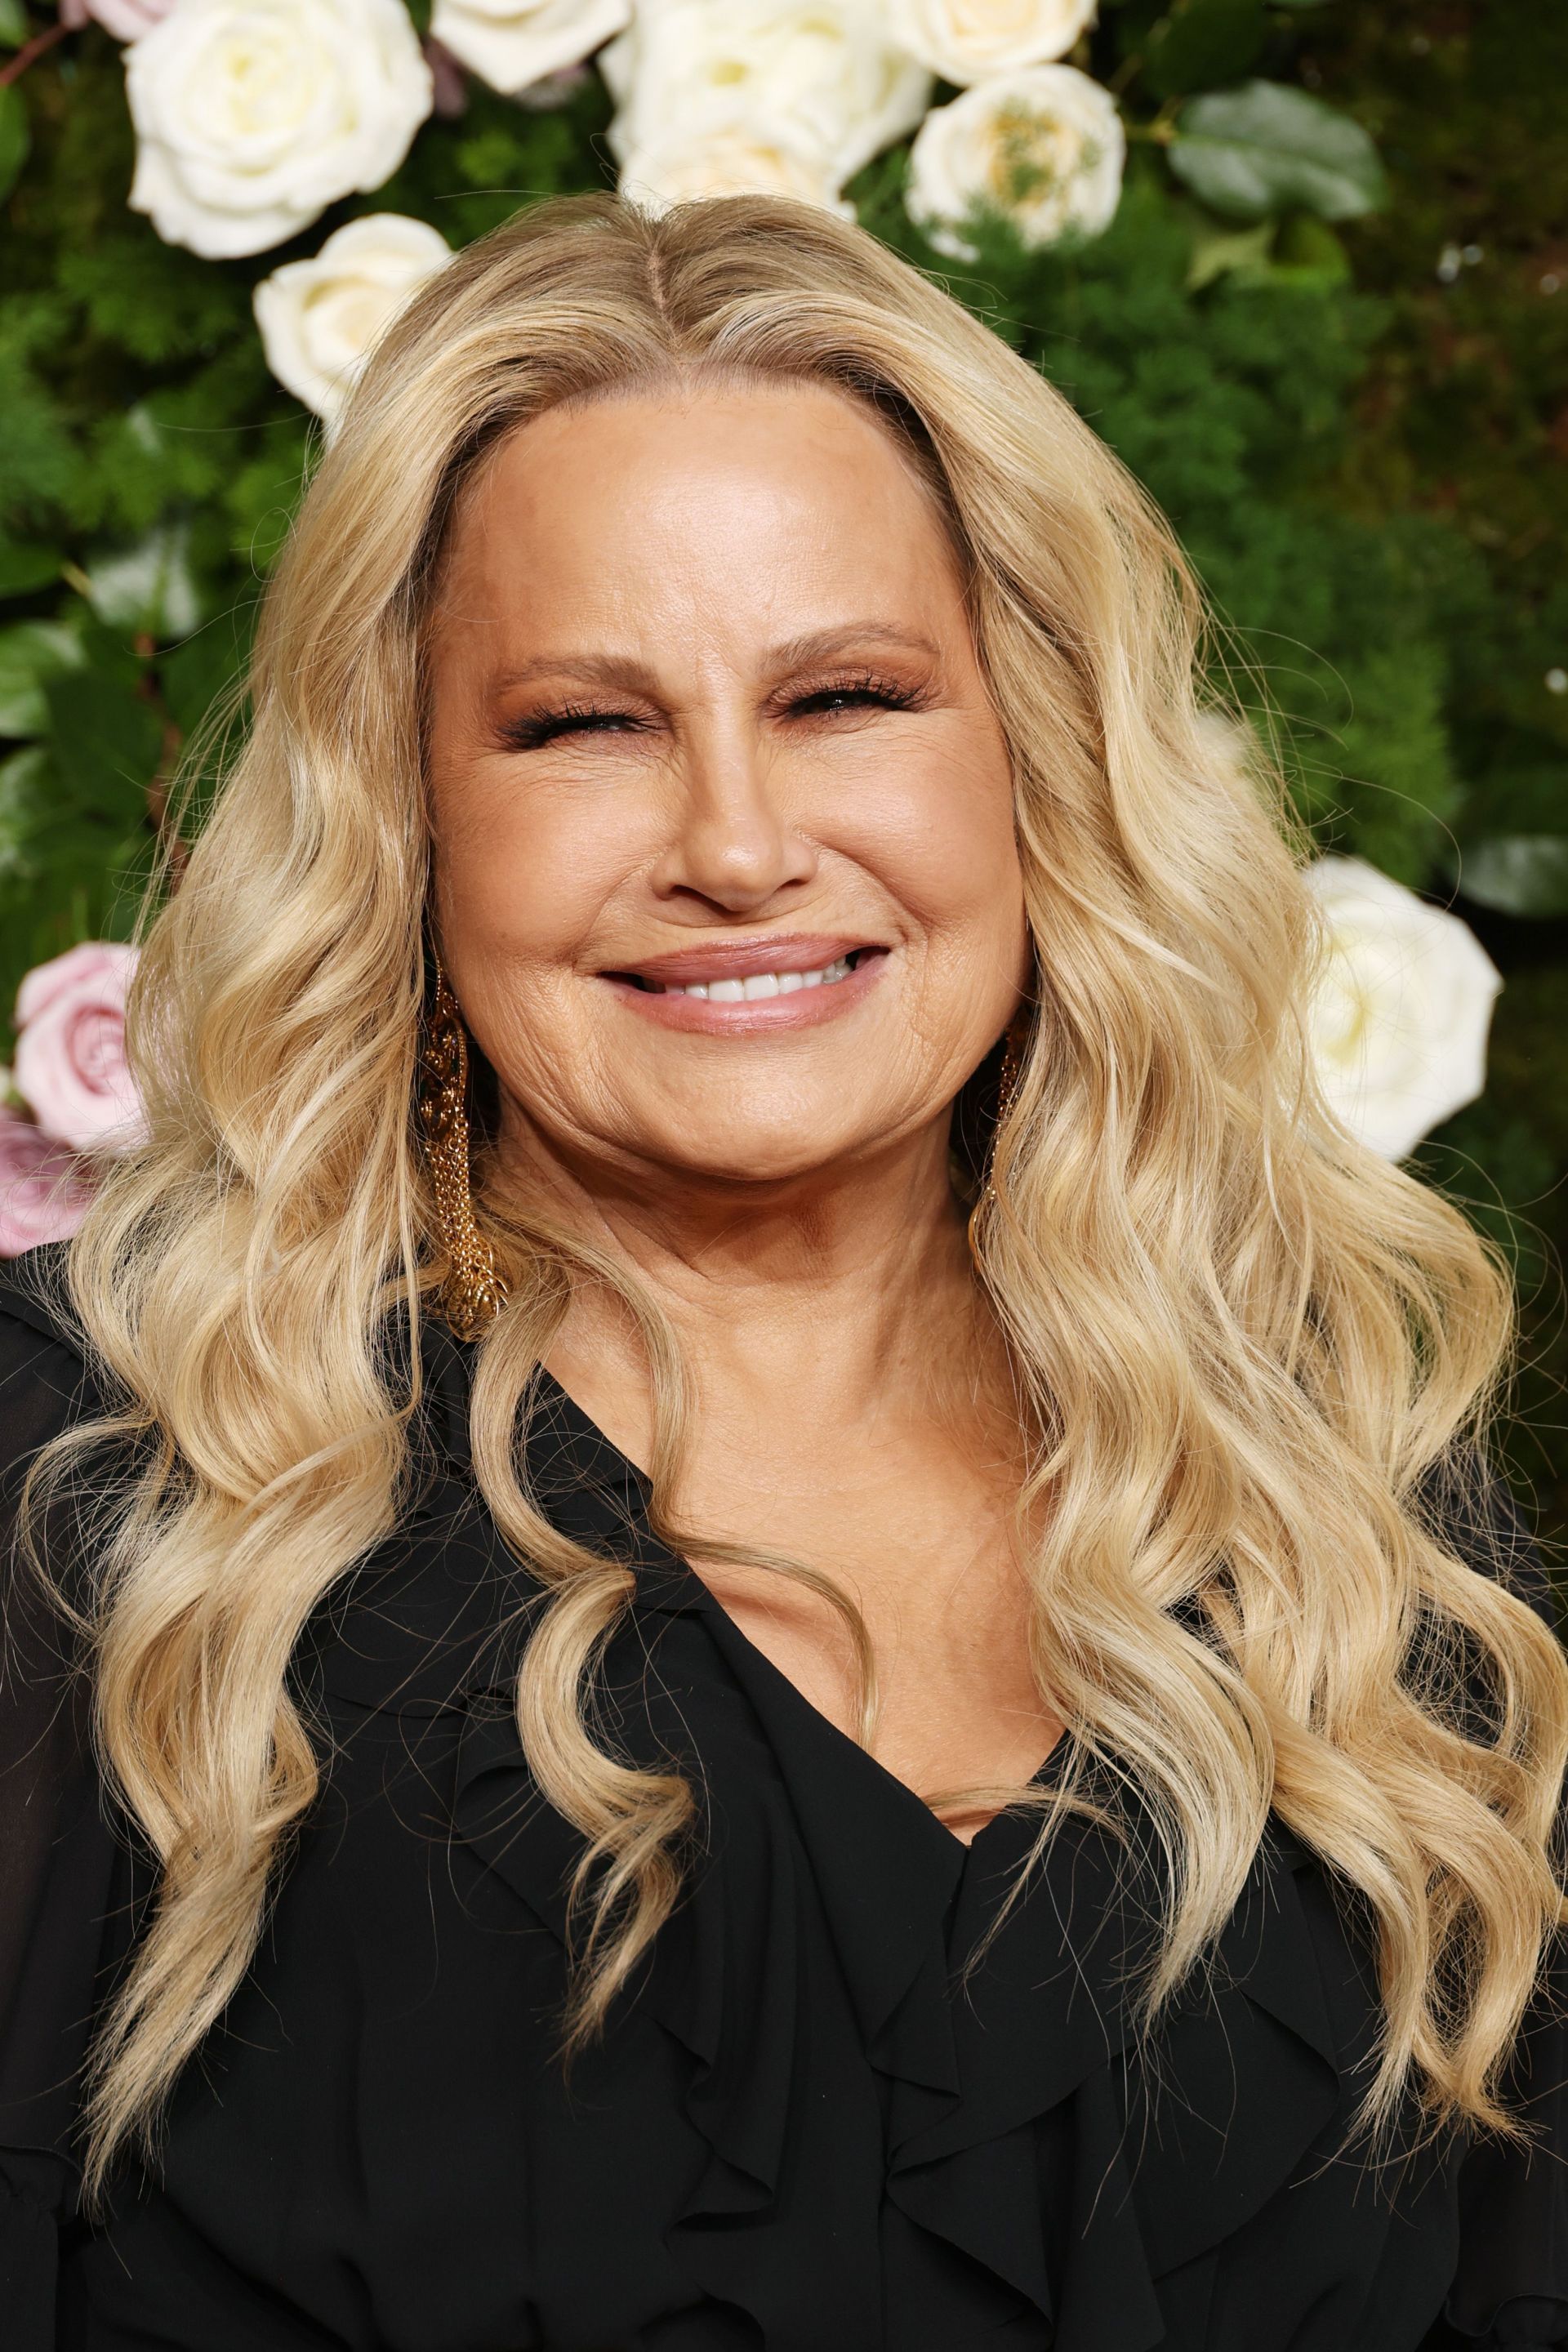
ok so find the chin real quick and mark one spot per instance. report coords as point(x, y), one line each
point(767, 1159)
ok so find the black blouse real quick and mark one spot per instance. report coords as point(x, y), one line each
point(797, 2135)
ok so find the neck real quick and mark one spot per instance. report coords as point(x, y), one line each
point(819, 1307)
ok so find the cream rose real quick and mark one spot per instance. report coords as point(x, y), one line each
point(512, 44)
point(731, 159)
point(253, 115)
point(70, 1068)
point(963, 40)
point(1044, 147)
point(1401, 1010)
point(820, 81)
point(318, 319)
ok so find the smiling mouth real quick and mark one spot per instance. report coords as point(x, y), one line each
point(752, 987)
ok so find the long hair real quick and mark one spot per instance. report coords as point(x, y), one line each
point(1243, 1344)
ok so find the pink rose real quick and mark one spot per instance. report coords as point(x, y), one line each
point(44, 1192)
point(70, 1066)
point(126, 19)
point(447, 80)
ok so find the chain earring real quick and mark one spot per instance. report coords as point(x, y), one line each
point(1012, 1046)
point(473, 1293)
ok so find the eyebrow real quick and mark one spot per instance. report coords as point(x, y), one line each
point(792, 652)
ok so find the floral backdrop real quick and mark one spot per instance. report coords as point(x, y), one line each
point(1303, 264)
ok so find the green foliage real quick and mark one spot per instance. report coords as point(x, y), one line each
point(31, 654)
point(1518, 873)
point(1250, 152)
point(1206, 41)
point(14, 137)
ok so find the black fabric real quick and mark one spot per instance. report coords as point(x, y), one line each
point(798, 2135)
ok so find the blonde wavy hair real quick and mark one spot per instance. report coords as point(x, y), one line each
point(1244, 1345)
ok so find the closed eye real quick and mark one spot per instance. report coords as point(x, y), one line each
point(542, 727)
point(572, 718)
point(859, 694)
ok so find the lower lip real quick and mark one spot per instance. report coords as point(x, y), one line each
point(802, 1008)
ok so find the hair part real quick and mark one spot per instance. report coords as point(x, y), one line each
point(1242, 1342)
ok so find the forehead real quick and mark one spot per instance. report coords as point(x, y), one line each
point(747, 494)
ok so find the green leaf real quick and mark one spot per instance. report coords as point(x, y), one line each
point(107, 740)
point(152, 299)
point(31, 653)
point(14, 136)
point(109, 654)
point(26, 566)
point(1310, 252)
point(1256, 150)
point(13, 24)
point(1518, 874)
point(200, 672)
point(1202, 42)
point(1217, 251)
point(147, 589)
point(23, 781)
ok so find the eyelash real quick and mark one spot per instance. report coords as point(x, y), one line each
point(542, 727)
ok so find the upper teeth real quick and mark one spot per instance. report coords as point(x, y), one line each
point(761, 984)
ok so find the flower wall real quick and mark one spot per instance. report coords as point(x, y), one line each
point(1296, 260)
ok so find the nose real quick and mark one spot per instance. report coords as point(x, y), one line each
point(731, 843)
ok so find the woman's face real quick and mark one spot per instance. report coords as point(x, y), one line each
point(726, 879)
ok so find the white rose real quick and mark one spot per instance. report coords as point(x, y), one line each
point(821, 79)
point(963, 40)
point(1401, 1009)
point(253, 115)
point(513, 44)
point(318, 319)
point(1044, 147)
point(735, 159)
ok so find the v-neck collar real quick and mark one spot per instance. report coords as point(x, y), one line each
point(592, 1491)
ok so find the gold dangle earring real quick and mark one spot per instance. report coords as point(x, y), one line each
point(1012, 1046)
point(473, 1293)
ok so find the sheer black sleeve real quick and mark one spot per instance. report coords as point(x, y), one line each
point(1511, 2291)
point(62, 1869)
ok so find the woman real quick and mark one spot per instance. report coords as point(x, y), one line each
point(777, 1562)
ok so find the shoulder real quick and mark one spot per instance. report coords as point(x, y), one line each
point(32, 1301)
point(46, 1383)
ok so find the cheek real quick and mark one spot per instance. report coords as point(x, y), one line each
point(520, 879)
point(520, 886)
point(944, 847)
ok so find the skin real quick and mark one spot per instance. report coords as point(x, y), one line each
point(702, 676)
